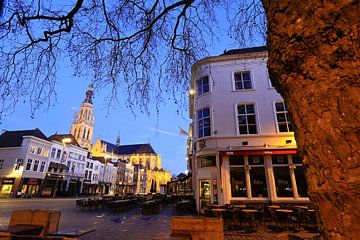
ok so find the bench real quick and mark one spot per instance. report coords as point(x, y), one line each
point(197, 228)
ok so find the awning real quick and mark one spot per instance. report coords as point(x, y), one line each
point(58, 166)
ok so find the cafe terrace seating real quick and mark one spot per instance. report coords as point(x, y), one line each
point(271, 217)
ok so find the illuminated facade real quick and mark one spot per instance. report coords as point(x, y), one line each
point(242, 145)
point(82, 127)
point(147, 172)
point(23, 162)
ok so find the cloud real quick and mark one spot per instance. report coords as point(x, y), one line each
point(156, 130)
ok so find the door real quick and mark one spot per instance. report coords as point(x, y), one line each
point(205, 194)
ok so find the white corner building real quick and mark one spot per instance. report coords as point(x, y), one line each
point(242, 142)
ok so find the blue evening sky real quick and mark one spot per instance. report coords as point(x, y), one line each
point(161, 131)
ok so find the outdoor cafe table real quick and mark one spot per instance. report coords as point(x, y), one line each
point(239, 206)
point(24, 229)
point(251, 213)
point(274, 206)
point(284, 210)
point(299, 206)
point(218, 211)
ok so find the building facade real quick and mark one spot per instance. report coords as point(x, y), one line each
point(241, 146)
point(140, 159)
point(23, 162)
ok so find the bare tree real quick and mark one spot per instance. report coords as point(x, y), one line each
point(146, 48)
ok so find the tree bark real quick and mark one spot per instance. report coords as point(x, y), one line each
point(314, 63)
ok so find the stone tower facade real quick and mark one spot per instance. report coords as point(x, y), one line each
point(82, 127)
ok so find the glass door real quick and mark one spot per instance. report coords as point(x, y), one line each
point(205, 194)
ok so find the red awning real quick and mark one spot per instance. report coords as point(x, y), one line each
point(259, 152)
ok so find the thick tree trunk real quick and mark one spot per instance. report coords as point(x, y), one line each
point(314, 63)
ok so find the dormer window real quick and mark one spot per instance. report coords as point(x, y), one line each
point(202, 85)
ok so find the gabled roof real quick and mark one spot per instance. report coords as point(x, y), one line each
point(135, 148)
point(100, 159)
point(60, 137)
point(128, 149)
point(110, 148)
point(245, 50)
point(14, 138)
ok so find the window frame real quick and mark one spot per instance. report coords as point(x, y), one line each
point(1, 163)
point(32, 149)
point(29, 164)
point(242, 81)
point(286, 113)
point(18, 163)
point(201, 158)
point(201, 93)
point(257, 124)
point(198, 125)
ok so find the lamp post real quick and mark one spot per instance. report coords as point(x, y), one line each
point(64, 142)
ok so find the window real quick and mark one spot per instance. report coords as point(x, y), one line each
point(32, 149)
point(36, 165)
point(282, 176)
point(86, 174)
point(237, 176)
point(53, 151)
point(257, 176)
point(42, 166)
point(1, 163)
point(202, 85)
point(207, 161)
point(39, 151)
point(242, 80)
point(87, 164)
point(58, 154)
point(28, 164)
point(204, 128)
point(46, 152)
point(282, 117)
point(246, 119)
point(18, 163)
point(300, 179)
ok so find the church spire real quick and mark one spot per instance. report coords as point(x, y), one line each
point(89, 94)
point(118, 140)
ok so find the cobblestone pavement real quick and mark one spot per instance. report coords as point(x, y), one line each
point(130, 225)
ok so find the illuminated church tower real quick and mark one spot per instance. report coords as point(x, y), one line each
point(82, 127)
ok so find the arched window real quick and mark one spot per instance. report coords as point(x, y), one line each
point(84, 132)
point(88, 133)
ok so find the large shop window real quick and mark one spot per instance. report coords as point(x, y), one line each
point(202, 85)
point(246, 119)
point(282, 176)
point(238, 182)
point(257, 176)
point(208, 161)
point(242, 80)
point(282, 117)
point(203, 117)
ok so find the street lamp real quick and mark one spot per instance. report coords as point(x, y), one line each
point(64, 142)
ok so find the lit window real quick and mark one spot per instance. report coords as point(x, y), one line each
point(282, 117)
point(246, 119)
point(32, 149)
point(28, 164)
point(207, 161)
point(242, 80)
point(36, 165)
point(204, 128)
point(46, 152)
point(237, 176)
point(202, 85)
point(282, 177)
point(257, 176)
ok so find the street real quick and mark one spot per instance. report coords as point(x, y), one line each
point(109, 226)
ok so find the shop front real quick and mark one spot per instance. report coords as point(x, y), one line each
point(6, 187)
point(30, 187)
point(52, 184)
point(263, 176)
